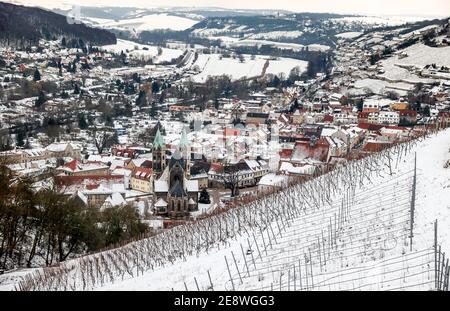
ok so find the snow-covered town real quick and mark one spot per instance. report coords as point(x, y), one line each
point(303, 149)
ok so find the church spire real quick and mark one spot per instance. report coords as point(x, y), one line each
point(184, 142)
point(159, 141)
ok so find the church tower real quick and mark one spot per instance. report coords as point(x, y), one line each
point(159, 154)
point(185, 151)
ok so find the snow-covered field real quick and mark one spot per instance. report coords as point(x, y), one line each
point(280, 45)
point(417, 55)
point(380, 87)
point(213, 65)
point(146, 23)
point(380, 20)
point(141, 50)
point(349, 35)
point(277, 35)
point(346, 230)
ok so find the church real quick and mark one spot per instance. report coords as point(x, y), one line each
point(175, 194)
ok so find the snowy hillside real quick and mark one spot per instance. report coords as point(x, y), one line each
point(416, 56)
point(146, 23)
point(215, 65)
point(346, 230)
point(142, 50)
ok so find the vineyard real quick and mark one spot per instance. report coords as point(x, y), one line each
point(366, 225)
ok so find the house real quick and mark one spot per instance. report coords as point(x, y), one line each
point(247, 173)
point(311, 151)
point(372, 146)
point(328, 118)
point(256, 118)
point(373, 118)
point(124, 152)
point(371, 107)
point(388, 117)
point(407, 117)
point(199, 172)
point(399, 106)
point(363, 117)
point(289, 169)
point(142, 179)
point(76, 168)
point(92, 190)
point(272, 182)
point(297, 117)
point(61, 150)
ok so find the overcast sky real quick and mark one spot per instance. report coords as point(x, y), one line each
point(369, 7)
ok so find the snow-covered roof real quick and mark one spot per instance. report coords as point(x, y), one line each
point(161, 186)
point(191, 185)
point(115, 199)
point(272, 180)
point(161, 203)
point(304, 170)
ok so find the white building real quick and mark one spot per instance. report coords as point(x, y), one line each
point(388, 117)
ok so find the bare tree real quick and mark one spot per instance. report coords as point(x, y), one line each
point(103, 138)
point(230, 177)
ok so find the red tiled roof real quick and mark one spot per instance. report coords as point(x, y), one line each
point(142, 173)
point(286, 153)
point(231, 132)
point(408, 113)
point(318, 150)
point(216, 167)
point(370, 126)
point(373, 146)
point(72, 165)
point(395, 127)
point(363, 115)
point(328, 118)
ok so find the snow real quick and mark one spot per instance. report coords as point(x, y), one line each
point(280, 45)
point(137, 50)
point(272, 180)
point(433, 202)
point(161, 186)
point(349, 35)
point(418, 55)
point(277, 34)
point(380, 20)
point(355, 239)
point(161, 203)
point(380, 87)
point(149, 23)
point(191, 185)
point(212, 65)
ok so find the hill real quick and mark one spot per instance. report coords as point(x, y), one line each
point(24, 26)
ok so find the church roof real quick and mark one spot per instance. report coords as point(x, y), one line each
point(159, 140)
point(161, 186)
point(177, 190)
point(176, 157)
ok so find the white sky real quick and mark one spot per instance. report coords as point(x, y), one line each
point(439, 8)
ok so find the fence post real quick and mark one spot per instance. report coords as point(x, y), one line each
point(229, 272)
point(413, 202)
